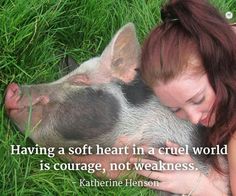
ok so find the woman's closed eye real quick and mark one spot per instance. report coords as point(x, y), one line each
point(199, 101)
point(195, 102)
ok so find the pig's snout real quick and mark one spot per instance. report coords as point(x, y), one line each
point(15, 99)
point(12, 97)
point(24, 105)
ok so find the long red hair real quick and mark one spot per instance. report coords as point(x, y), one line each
point(194, 27)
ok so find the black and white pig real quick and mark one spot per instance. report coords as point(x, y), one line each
point(101, 101)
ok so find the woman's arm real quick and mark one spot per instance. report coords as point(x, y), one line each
point(185, 182)
point(234, 27)
point(232, 163)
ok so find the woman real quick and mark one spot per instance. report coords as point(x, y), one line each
point(190, 63)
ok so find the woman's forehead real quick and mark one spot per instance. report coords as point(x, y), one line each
point(179, 90)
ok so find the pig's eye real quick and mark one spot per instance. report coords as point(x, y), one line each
point(174, 110)
point(78, 83)
point(79, 79)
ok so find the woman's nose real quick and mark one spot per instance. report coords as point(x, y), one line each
point(194, 116)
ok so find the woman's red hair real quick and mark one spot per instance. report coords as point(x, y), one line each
point(194, 27)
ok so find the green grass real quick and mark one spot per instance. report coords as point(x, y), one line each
point(34, 36)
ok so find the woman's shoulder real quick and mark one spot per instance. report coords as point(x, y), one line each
point(234, 27)
point(232, 161)
point(232, 142)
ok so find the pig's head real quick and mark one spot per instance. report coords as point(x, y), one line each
point(84, 105)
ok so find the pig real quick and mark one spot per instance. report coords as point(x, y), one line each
point(102, 100)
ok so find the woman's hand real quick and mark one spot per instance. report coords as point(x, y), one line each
point(189, 182)
point(105, 161)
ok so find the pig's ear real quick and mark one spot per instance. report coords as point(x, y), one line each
point(122, 56)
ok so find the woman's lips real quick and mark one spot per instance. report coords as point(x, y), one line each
point(205, 121)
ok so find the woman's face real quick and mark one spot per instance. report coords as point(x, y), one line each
point(190, 97)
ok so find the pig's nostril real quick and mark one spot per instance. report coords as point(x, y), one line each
point(12, 96)
point(12, 89)
point(10, 93)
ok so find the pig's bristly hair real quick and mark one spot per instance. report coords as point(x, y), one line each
point(87, 114)
point(198, 30)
